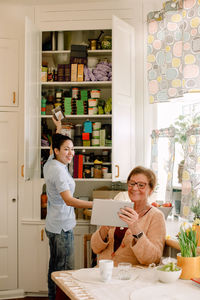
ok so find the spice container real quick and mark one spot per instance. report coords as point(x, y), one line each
point(96, 134)
point(44, 74)
point(75, 93)
point(92, 110)
point(93, 44)
point(97, 169)
point(92, 102)
point(107, 42)
point(96, 125)
point(96, 142)
point(95, 93)
point(87, 172)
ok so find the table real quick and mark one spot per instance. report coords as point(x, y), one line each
point(144, 286)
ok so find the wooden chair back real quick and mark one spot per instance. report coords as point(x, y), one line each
point(87, 238)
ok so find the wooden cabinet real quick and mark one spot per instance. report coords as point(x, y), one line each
point(34, 251)
point(9, 73)
point(123, 136)
point(9, 200)
point(81, 228)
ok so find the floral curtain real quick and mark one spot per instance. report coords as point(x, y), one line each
point(162, 153)
point(173, 50)
point(191, 172)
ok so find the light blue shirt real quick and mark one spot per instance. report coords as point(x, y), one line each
point(58, 179)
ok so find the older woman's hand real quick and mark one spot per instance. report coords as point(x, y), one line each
point(104, 231)
point(130, 217)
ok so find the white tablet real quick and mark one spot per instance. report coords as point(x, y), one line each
point(105, 212)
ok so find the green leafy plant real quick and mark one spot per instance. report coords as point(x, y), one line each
point(182, 124)
point(196, 209)
point(187, 240)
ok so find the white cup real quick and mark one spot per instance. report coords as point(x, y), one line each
point(106, 267)
point(124, 272)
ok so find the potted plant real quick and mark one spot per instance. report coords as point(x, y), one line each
point(188, 259)
point(182, 124)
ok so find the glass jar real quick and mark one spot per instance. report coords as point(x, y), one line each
point(106, 42)
point(97, 169)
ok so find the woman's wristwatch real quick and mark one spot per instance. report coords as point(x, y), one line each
point(138, 236)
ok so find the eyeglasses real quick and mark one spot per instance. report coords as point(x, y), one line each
point(140, 185)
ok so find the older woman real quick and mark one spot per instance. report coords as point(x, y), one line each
point(143, 241)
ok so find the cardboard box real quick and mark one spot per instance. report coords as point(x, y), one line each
point(104, 194)
point(80, 72)
point(74, 72)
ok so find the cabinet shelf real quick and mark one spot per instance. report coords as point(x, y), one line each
point(77, 84)
point(81, 148)
point(81, 116)
point(92, 179)
point(90, 52)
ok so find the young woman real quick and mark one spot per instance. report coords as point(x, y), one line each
point(144, 239)
point(60, 219)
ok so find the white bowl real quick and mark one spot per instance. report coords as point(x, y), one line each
point(92, 62)
point(107, 175)
point(165, 210)
point(168, 276)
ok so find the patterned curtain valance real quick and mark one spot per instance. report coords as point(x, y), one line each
point(173, 50)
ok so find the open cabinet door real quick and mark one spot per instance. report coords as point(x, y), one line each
point(31, 100)
point(123, 99)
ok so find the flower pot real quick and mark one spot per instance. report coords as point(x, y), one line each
point(197, 229)
point(190, 266)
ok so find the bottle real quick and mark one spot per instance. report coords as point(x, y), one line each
point(53, 41)
point(43, 202)
point(60, 40)
point(55, 74)
point(50, 74)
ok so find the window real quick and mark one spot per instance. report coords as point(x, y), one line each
point(167, 113)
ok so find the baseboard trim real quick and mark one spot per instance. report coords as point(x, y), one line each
point(19, 293)
point(12, 294)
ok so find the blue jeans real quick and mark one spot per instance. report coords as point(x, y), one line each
point(61, 256)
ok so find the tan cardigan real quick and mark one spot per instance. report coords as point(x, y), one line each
point(148, 249)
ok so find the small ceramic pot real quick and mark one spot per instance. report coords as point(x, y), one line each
point(190, 266)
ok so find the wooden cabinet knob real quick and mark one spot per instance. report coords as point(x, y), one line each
point(22, 170)
point(117, 166)
point(42, 235)
point(14, 97)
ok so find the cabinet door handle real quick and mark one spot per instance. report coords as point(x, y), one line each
point(14, 97)
point(22, 170)
point(42, 234)
point(117, 166)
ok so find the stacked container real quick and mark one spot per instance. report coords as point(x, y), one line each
point(96, 126)
point(43, 106)
point(93, 102)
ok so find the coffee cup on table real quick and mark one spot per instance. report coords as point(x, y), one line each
point(106, 268)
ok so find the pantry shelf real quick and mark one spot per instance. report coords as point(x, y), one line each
point(81, 116)
point(95, 52)
point(77, 84)
point(82, 148)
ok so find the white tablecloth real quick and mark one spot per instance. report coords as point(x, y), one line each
point(141, 287)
